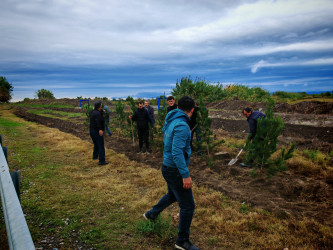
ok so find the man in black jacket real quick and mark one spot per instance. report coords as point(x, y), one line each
point(142, 118)
point(252, 119)
point(97, 122)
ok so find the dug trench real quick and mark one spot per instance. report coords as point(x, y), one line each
point(286, 194)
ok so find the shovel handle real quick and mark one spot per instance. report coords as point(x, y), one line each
point(239, 153)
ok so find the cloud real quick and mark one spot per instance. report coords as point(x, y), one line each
point(112, 43)
point(313, 62)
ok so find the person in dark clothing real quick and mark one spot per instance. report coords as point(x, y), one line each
point(176, 159)
point(142, 118)
point(171, 103)
point(97, 125)
point(151, 113)
point(252, 119)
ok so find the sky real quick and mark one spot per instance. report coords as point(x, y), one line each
point(120, 48)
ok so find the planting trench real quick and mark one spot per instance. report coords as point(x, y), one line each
point(285, 194)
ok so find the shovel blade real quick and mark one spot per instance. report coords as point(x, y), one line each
point(232, 162)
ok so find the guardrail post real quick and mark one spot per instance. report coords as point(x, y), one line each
point(16, 182)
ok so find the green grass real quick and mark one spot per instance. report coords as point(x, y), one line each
point(66, 195)
point(30, 105)
point(57, 114)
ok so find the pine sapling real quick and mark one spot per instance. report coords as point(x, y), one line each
point(261, 148)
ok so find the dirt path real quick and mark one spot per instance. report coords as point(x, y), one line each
point(285, 194)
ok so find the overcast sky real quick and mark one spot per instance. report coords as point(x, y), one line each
point(120, 48)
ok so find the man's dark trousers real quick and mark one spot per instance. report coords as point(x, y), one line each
point(99, 150)
point(176, 192)
point(143, 134)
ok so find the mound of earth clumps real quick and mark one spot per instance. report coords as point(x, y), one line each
point(312, 107)
point(306, 107)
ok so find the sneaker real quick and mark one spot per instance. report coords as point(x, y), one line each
point(147, 217)
point(147, 153)
point(103, 163)
point(185, 245)
point(140, 152)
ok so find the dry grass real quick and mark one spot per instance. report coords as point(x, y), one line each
point(65, 190)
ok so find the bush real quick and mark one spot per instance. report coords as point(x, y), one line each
point(44, 93)
point(5, 90)
point(290, 95)
point(261, 148)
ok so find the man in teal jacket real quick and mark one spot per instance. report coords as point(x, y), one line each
point(176, 158)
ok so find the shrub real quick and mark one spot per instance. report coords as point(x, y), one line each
point(207, 144)
point(261, 148)
point(5, 90)
point(44, 93)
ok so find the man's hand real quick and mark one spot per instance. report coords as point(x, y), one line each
point(187, 182)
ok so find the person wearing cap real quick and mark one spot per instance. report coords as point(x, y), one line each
point(171, 103)
point(97, 126)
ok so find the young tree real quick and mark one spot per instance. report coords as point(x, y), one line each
point(120, 116)
point(5, 90)
point(207, 144)
point(44, 93)
point(261, 148)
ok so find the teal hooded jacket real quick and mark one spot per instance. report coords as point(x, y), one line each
point(177, 137)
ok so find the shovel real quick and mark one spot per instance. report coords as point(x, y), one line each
point(233, 161)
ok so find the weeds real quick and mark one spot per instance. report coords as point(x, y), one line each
point(162, 227)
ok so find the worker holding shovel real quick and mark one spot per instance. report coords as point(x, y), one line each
point(252, 119)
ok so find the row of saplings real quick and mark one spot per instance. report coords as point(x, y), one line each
point(260, 151)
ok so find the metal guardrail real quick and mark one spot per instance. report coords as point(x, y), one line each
point(18, 233)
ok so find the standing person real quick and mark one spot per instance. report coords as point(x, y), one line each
point(252, 119)
point(171, 103)
point(176, 158)
point(142, 118)
point(151, 113)
point(97, 124)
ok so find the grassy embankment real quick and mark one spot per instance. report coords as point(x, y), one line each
point(68, 197)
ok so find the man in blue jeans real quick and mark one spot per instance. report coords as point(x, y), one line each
point(176, 158)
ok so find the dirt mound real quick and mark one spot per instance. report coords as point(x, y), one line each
point(306, 107)
point(236, 104)
point(285, 194)
point(311, 107)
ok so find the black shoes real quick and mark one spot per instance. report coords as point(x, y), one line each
point(147, 217)
point(103, 163)
point(185, 245)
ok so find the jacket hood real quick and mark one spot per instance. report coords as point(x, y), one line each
point(173, 115)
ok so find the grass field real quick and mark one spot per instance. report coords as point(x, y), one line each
point(70, 201)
